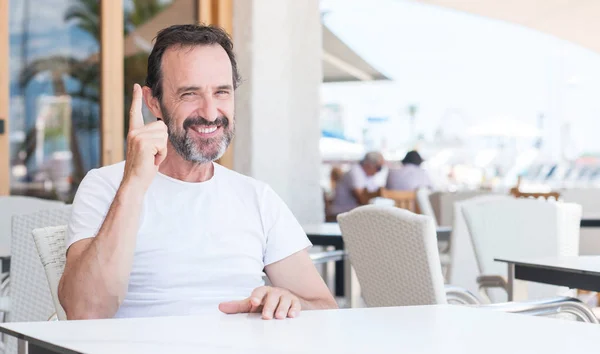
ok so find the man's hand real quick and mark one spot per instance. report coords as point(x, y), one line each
point(271, 302)
point(146, 144)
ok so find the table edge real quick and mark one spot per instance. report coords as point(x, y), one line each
point(36, 341)
point(548, 267)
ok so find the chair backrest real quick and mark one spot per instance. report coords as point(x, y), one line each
point(50, 243)
point(17, 205)
point(404, 199)
point(395, 255)
point(463, 269)
point(424, 204)
point(522, 228)
point(30, 295)
point(443, 203)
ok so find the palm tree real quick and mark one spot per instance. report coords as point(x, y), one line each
point(85, 13)
point(60, 69)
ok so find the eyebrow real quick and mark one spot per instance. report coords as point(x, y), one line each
point(224, 87)
point(196, 88)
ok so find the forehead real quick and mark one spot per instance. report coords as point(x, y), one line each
point(196, 65)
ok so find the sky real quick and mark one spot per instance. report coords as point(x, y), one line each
point(461, 71)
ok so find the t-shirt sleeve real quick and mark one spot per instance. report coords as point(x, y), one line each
point(92, 201)
point(358, 179)
point(284, 235)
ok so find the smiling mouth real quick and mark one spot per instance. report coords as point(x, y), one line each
point(206, 131)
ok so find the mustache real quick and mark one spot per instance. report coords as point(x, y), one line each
point(220, 121)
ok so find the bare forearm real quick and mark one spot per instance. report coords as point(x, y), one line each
point(360, 197)
point(318, 304)
point(95, 284)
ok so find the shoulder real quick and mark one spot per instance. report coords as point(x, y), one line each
point(108, 176)
point(357, 171)
point(395, 171)
point(356, 168)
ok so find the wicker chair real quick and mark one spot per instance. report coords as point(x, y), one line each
point(394, 253)
point(50, 243)
point(30, 296)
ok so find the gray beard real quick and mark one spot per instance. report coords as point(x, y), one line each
point(191, 149)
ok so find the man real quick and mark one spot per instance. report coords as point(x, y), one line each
point(169, 232)
point(349, 191)
point(411, 176)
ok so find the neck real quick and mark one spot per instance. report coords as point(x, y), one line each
point(179, 168)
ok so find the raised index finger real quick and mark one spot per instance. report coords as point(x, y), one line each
point(136, 120)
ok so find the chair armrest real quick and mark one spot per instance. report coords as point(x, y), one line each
point(548, 307)
point(492, 281)
point(328, 256)
point(460, 296)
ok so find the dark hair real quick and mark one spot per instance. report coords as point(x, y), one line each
point(186, 36)
point(412, 157)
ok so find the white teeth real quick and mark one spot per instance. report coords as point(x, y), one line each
point(207, 130)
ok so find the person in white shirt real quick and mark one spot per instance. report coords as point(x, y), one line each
point(169, 232)
point(411, 176)
point(349, 191)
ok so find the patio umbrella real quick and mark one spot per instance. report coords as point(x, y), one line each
point(573, 20)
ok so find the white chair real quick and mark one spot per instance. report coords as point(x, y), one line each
point(424, 204)
point(30, 296)
point(50, 243)
point(425, 207)
point(464, 270)
point(394, 253)
point(443, 203)
point(17, 205)
point(522, 228)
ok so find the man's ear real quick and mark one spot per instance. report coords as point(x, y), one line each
point(152, 102)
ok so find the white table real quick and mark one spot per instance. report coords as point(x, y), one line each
point(423, 329)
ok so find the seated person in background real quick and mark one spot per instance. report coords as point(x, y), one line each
point(411, 176)
point(349, 191)
point(169, 232)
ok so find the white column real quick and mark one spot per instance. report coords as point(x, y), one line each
point(278, 46)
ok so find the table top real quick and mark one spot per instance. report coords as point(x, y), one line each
point(332, 229)
point(418, 329)
point(579, 264)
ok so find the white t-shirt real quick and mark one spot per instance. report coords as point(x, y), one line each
point(198, 244)
point(355, 178)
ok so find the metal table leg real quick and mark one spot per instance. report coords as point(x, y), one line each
point(510, 286)
point(339, 276)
